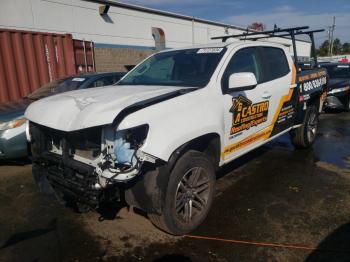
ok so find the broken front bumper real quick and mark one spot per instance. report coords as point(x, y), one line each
point(62, 176)
point(72, 183)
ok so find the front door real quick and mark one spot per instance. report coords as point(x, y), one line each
point(250, 115)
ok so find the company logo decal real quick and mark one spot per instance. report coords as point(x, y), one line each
point(264, 134)
point(246, 114)
point(313, 84)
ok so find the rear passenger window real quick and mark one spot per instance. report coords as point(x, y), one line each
point(275, 63)
point(244, 60)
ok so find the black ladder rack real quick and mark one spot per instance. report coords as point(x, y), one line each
point(279, 32)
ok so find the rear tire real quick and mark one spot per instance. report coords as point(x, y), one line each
point(189, 194)
point(304, 136)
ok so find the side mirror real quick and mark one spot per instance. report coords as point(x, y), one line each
point(242, 81)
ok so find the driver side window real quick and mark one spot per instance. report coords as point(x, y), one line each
point(244, 60)
point(161, 69)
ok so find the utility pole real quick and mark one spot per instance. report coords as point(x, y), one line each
point(329, 40)
point(332, 37)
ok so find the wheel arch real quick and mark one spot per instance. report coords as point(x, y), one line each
point(148, 191)
point(315, 101)
point(209, 144)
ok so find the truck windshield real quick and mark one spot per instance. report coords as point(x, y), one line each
point(338, 71)
point(190, 67)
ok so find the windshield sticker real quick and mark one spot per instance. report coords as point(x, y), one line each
point(209, 50)
point(78, 79)
point(246, 114)
point(343, 66)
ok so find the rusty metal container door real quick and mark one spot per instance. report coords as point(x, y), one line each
point(29, 60)
point(84, 56)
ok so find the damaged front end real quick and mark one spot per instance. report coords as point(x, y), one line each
point(89, 166)
point(121, 159)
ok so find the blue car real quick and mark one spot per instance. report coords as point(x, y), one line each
point(13, 143)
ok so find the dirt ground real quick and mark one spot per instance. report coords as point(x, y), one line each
point(274, 195)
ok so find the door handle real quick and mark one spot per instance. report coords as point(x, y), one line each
point(266, 95)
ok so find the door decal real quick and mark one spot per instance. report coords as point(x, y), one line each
point(260, 135)
point(246, 114)
point(267, 132)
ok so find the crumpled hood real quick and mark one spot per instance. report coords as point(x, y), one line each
point(91, 107)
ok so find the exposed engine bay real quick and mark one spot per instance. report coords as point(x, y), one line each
point(120, 159)
point(86, 164)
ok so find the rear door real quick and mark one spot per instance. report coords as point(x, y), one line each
point(250, 115)
point(279, 77)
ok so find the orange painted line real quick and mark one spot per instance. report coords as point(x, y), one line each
point(263, 244)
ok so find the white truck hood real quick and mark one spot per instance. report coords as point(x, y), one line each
point(91, 107)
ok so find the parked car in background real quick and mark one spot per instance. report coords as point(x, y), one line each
point(13, 143)
point(339, 86)
point(307, 65)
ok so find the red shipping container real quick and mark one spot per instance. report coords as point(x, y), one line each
point(29, 60)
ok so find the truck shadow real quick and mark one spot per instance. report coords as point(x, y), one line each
point(15, 162)
point(109, 211)
point(335, 247)
point(22, 236)
point(241, 161)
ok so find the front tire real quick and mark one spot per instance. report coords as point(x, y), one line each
point(189, 194)
point(305, 135)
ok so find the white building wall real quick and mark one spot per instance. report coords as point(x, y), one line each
point(123, 27)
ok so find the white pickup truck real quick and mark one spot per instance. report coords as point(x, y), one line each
point(156, 138)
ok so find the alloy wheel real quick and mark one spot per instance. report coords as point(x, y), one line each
point(192, 194)
point(312, 126)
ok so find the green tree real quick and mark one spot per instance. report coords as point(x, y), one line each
point(346, 48)
point(323, 50)
point(337, 47)
point(257, 26)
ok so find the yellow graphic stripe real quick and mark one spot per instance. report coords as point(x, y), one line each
point(265, 133)
point(312, 76)
point(247, 141)
point(294, 75)
point(283, 100)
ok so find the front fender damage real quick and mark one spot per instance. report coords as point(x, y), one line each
point(101, 163)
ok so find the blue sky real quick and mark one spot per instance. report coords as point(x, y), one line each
point(315, 13)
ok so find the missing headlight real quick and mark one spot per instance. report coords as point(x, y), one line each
point(126, 143)
point(121, 160)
